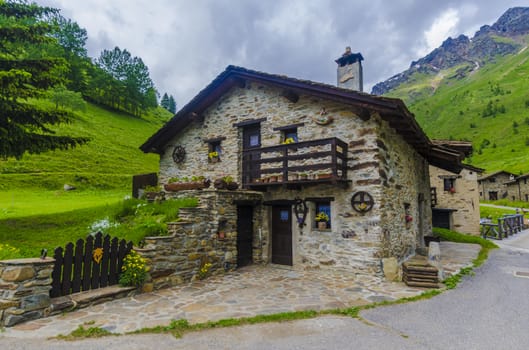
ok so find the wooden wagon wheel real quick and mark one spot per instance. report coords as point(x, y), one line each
point(179, 154)
point(362, 202)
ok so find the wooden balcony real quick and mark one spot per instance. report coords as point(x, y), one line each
point(296, 164)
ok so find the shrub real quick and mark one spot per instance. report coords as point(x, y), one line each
point(133, 271)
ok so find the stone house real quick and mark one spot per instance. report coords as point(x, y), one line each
point(300, 151)
point(518, 189)
point(494, 186)
point(455, 196)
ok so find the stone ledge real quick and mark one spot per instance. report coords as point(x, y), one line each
point(27, 261)
point(88, 298)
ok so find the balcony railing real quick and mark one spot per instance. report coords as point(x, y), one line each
point(309, 162)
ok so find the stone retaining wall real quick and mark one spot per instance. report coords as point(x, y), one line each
point(195, 239)
point(24, 290)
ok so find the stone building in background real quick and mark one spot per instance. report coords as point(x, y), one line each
point(455, 196)
point(302, 151)
point(494, 186)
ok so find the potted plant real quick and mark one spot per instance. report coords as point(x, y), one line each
point(213, 157)
point(452, 190)
point(293, 177)
point(303, 176)
point(288, 141)
point(225, 182)
point(179, 184)
point(322, 218)
point(152, 193)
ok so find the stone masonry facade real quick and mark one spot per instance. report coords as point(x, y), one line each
point(194, 240)
point(380, 162)
point(494, 186)
point(464, 199)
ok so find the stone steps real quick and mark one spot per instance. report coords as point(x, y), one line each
point(417, 272)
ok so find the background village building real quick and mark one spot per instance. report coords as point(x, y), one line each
point(494, 186)
point(304, 151)
point(518, 189)
point(455, 196)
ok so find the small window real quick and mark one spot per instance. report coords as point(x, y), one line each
point(290, 134)
point(492, 179)
point(214, 150)
point(525, 181)
point(254, 140)
point(325, 208)
point(448, 184)
point(527, 197)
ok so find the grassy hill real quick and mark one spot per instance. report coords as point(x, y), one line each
point(488, 105)
point(108, 161)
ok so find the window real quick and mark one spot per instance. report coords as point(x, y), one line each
point(525, 181)
point(214, 150)
point(527, 197)
point(290, 134)
point(492, 179)
point(493, 195)
point(323, 207)
point(448, 184)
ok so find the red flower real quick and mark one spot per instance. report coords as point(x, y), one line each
point(409, 218)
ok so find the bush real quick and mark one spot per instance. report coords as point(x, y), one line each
point(133, 271)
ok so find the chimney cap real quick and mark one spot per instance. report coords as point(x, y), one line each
point(348, 57)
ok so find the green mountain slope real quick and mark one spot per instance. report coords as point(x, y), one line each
point(108, 161)
point(487, 104)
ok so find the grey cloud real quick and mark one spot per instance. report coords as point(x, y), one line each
point(187, 43)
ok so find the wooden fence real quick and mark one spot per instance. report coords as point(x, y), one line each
point(507, 226)
point(94, 263)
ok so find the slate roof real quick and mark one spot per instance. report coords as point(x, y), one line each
point(392, 110)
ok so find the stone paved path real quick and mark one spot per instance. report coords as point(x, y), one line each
point(249, 291)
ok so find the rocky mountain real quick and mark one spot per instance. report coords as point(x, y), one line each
point(504, 37)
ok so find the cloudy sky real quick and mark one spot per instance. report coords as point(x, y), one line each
point(186, 43)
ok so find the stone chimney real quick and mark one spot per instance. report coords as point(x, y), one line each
point(350, 70)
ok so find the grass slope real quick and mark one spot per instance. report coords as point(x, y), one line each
point(450, 107)
point(107, 162)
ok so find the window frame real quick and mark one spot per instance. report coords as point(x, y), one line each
point(317, 206)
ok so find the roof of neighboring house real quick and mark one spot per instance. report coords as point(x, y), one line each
point(465, 147)
point(392, 110)
point(495, 174)
point(473, 168)
point(518, 178)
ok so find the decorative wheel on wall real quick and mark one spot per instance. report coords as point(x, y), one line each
point(179, 154)
point(362, 202)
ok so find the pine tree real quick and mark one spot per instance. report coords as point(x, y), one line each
point(172, 105)
point(165, 101)
point(25, 73)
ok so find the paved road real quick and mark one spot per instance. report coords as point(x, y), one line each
point(525, 210)
point(489, 310)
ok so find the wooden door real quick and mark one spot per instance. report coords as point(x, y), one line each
point(251, 139)
point(282, 235)
point(441, 218)
point(244, 235)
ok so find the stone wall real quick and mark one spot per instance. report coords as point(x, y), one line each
point(24, 290)
point(380, 163)
point(195, 239)
point(465, 199)
point(405, 181)
point(496, 183)
point(519, 189)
